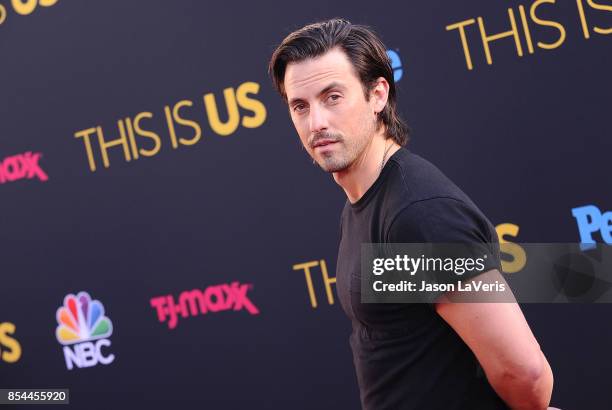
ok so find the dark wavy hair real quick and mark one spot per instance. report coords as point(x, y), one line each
point(364, 49)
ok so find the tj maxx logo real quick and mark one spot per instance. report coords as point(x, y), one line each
point(21, 166)
point(197, 302)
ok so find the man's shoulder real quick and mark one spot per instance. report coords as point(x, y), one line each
point(415, 198)
point(415, 180)
point(424, 200)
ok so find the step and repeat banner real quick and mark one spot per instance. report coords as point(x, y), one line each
point(166, 242)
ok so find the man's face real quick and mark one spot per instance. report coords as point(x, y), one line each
point(329, 109)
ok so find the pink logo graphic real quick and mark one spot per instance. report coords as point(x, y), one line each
point(21, 166)
point(196, 302)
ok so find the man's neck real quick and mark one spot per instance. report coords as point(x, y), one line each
point(362, 174)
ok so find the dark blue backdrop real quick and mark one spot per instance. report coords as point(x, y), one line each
point(527, 137)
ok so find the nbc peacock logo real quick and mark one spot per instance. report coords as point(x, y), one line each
point(83, 329)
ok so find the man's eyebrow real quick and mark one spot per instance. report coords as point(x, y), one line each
point(331, 86)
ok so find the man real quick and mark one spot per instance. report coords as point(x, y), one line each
point(338, 83)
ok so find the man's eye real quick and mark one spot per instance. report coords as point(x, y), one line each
point(298, 107)
point(334, 97)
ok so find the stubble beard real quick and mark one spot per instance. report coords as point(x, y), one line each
point(342, 157)
point(337, 160)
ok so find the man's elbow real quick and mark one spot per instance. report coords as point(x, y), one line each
point(540, 380)
point(526, 386)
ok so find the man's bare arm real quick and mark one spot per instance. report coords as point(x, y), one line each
point(503, 343)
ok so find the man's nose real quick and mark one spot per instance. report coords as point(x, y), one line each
point(318, 120)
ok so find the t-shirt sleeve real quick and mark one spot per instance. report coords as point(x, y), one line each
point(447, 220)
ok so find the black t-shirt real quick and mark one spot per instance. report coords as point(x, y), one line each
point(406, 356)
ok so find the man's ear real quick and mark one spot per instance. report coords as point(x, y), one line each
point(379, 94)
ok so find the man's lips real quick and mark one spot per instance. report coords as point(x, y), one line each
point(322, 143)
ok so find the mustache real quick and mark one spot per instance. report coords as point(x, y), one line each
point(324, 135)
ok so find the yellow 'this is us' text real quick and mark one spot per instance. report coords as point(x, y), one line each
point(531, 22)
point(137, 139)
